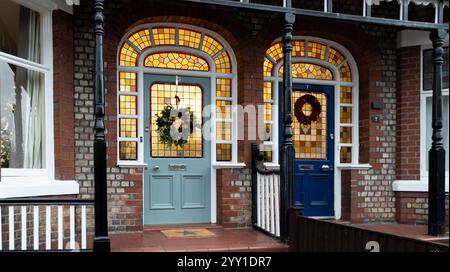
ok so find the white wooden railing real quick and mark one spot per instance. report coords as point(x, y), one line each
point(50, 222)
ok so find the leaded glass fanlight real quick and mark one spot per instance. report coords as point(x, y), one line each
point(174, 47)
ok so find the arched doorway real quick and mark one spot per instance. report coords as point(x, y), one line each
point(181, 77)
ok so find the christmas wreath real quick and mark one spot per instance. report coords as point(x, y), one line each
point(315, 112)
point(174, 126)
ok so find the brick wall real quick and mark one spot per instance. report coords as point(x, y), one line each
point(412, 208)
point(408, 114)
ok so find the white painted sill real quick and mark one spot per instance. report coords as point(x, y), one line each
point(132, 165)
point(237, 165)
point(26, 187)
point(339, 166)
point(414, 185)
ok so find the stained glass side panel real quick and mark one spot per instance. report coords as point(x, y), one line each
point(223, 87)
point(223, 109)
point(310, 141)
point(316, 50)
point(309, 71)
point(141, 39)
point(224, 131)
point(268, 154)
point(335, 57)
point(346, 154)
point(223, 152)
point(346, 95)
point(128, 151)
point(268, 90)
point(128, 105)
point(128, 55)
point(128, 127)
point(127, 82)
point(268, 67)
point(191, 97)
point(223, 63)
point(211, 46)
point(189, 38)
point(346, 135)
point(298, 48)
point(164, 35)
point(275, 52)
point(173, 60)
point(346, 73)
point(346, 115)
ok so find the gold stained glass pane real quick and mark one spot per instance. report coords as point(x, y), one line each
point(309, 71)
point(310, 141)
point(346, 73)
point(275, 52)
point(223, 131)
point(298, 48)
point(164, 35)
point(174, 60)
point(335, 57)
point(316, 50)
point(346, 154)
point(346, 115)
point(268, 67)
point(346, 135)
point(268, 111)
point(141, 39)
point(128, 105)
point(223, 87)
point(223, 63)
point(346, 95)
point(189, 38)
point(127, 82)
point(267, 90)
point(268, 154)
point(128, 151)
point(191, 96)
point(128, 127)
point(223, 109)
point(128, 55)
point(211, 46)
point(223, 152)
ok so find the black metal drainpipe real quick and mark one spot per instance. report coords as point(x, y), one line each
point(287, 148)
point(436, 169)
point(101, 239)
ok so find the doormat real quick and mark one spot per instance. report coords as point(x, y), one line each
point(187, 233)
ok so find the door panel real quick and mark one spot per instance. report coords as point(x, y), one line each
point(177, 180)
point(313, 139)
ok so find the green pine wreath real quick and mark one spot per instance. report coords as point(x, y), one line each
point(164, 121)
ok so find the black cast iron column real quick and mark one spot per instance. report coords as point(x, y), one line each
point(101, 239)
point(436, 168)
point(287, 148)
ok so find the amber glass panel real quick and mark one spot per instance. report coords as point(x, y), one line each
point(298, 48)
point(267, 90)
point(128, 55)
point(346, 73)
point(223, 131)
point(141, 39)
point(127, 82)
point(310, 142)
point(211, 46)
point(268, 111)
point(316, 50)
point(346, 95)
point(223, 109)
point(128, 105)
point(223, 64)
point(309, 71)
point(190, 96)
point(346, 154)
point(223, 152)
point(223, 87)
point(346, 115)
point(189, 38)
point(268, 154)
point(128, 128)
point(164, 35)
point(275, 52)
point(346, 135)
point(128, 151)
point(335, 57)
point(268, 67)
point(173, 60)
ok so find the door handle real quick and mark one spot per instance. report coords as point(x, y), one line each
point(325, 168)
point(155, 168)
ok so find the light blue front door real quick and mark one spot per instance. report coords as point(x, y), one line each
point(177, 182)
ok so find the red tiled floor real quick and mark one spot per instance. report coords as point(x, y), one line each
point(248, 240)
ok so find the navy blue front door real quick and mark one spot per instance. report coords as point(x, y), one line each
point(313, 139)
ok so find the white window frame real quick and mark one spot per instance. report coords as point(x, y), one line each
point(38, 182)
point(212, 74)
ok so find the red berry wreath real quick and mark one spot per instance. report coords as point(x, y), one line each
point(315, 113)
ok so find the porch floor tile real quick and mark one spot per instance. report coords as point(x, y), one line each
point(233, 240)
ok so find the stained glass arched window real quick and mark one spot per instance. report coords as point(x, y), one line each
point(317, 60)
point(179, 47)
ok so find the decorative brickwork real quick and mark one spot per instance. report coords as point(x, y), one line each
point(412, 208)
